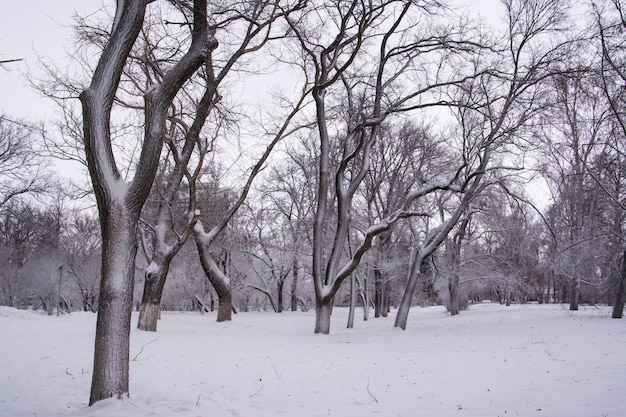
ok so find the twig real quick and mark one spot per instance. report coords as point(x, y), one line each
point(259, 390)
point(141, 350)
point(275, 370)
point(370, 392)
point(198, 401)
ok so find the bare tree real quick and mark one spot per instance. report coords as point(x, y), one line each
point(290, 190)
point(252, 25)
point(610, 25)
point(404, 155)
point(20, 169)
point(120, 201)
point(579, 119)
point(205, 239)
point(81, 251)
point(494, 110)
point(373, 59)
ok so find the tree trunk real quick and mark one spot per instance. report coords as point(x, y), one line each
point(453, 290)
point(148, 316)
point(152, 292)
point(219, 281)
point(363, 295)
point(384, 305)
point(323, 311)
point(574, 294)
point(224, 295)
point(405, 304)
point(225, 305)
point(620, 299)
point(378, 293)
point(352, 302)
point(279, 284)
point(294, 286)
point(111, 355)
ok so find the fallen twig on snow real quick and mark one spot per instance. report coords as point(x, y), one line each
point(141, 350)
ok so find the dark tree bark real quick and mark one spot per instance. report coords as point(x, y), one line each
point(574, 294)
point(453, 251)
point(294, 284)
point(378, 293)
point(620, 296)
point(152, 293)
point(280, 283)
point(323, 311)
point(119, 202)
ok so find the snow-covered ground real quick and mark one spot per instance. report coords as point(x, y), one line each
point(531, 360)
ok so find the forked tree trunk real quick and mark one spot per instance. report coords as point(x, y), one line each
point(323, 311)
point(620, 299)
point(111, 355)
point(120, 203)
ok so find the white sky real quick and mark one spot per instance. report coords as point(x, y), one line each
point(28, 28)
point(43, 27)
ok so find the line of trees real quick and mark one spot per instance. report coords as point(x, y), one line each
point(397, 152)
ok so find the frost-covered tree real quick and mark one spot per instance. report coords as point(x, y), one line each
point(493, 111)
point(119, 199)
point(370, 61)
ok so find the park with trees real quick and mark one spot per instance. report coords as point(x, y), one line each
point(293, 155)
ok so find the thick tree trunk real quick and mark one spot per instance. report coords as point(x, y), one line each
point(224, 296)
point(152, 293)
point(279, 300)
point(120, 203)
point(148, 316)
point(111, 355)
point(225, 305)
point(219, 281)
point(620, 299)
point(384, 308)
point(323, 311)
point(405, 304)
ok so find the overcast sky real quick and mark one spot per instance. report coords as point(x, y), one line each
point(27, 28)
point(31, 27)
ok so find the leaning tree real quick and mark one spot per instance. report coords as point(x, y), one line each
point(369, 62)
point(493, 112)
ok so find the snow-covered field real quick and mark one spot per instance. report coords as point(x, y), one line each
point(531, 360)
